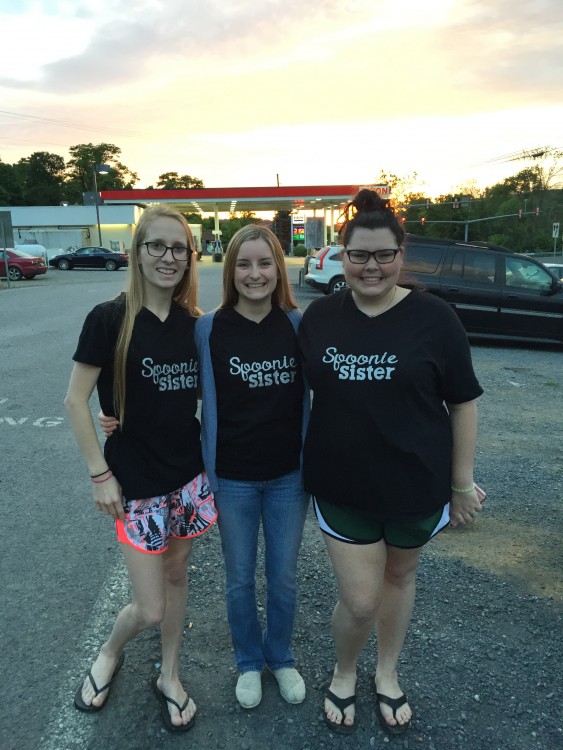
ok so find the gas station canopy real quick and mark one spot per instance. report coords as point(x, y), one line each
point(211, 200)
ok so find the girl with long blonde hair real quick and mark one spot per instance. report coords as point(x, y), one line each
point(138, 350)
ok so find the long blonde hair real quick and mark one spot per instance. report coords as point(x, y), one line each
point(283, 295)
point(185, 295)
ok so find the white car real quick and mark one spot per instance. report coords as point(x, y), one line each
point(326, 271)
point(555, 268)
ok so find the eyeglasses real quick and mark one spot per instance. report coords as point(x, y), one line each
point(381, 256)
point(158, 250)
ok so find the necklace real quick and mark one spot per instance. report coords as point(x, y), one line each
point(387, 306)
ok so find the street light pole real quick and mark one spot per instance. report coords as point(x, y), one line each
point(99, 169)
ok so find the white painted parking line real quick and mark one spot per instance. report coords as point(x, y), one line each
point(29, 421)
point(67, 728)
point(40, 422)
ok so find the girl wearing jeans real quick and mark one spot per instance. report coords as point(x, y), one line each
point(253, 415)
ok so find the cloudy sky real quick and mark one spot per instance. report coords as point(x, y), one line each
point(316, 91)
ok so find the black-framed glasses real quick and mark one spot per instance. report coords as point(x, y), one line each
point(159, 249)
point(381, 256)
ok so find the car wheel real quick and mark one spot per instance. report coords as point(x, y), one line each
point(14, 273)
point(111, 265)
point(336, 284)
point(64, 265)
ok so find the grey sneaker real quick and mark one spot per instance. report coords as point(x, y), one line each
point(292, 687)
point(249, 689)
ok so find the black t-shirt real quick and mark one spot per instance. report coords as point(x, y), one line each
point(259, 395)
point(158, 450)
point(379, 438)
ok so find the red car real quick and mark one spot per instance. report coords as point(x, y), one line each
point(21, 265)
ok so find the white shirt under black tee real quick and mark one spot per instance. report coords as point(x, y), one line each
point(158, 450)
point(379, 438)
point(259, 395)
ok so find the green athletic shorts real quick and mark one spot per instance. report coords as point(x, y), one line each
point(354, 527)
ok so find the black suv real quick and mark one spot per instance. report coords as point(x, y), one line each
point(495, 292)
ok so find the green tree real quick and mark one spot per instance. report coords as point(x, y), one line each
point(174, 181)
point(80, 170)
point(236, 221)
point(12, 177)
point(523, 191)
point(281, 227)
point(44, 179)
point(192, 218)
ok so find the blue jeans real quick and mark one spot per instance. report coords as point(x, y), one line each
point(281, 504)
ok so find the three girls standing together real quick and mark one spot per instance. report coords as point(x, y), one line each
point(388, 456)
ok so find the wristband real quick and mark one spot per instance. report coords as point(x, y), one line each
point(99, 481)
point(467, 489)
point(101, 474)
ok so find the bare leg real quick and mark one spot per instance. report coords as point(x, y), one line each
point(393, 618)
point(146, 609)
point(172, 626)
point(359, 572)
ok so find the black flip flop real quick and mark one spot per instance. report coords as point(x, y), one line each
point(164, 700)
point(394, 704)
point(341, 704)
point(91, 708)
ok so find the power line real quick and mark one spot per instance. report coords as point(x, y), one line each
point(33, 140)
point(67, 124)
point(533, 153)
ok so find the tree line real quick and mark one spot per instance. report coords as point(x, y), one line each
point(517, 212)
point(45, 179)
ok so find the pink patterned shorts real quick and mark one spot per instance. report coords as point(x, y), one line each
point(183, 514)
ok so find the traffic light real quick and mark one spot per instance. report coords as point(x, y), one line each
point(423, 220)
point(403, 219)
point(519, 213)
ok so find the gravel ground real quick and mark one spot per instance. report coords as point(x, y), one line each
point(482, 658)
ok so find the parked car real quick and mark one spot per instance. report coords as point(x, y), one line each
point(324, 270)
point(312, 253)
point(90, 257)
point(495, 292)
point(21, 265)
point(556, 269)
point(34, 249)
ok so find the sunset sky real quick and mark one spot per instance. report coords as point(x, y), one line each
point(319, 92)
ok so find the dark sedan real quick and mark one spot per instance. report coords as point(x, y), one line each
point(90, 257)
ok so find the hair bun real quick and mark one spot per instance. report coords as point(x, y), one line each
point(369, 200)
point(368, 210)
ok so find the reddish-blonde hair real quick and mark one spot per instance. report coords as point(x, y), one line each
point(283, 295)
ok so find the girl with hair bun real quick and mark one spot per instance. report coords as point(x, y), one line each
point(389, 452)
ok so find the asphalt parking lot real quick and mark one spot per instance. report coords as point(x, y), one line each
point(493, 593)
